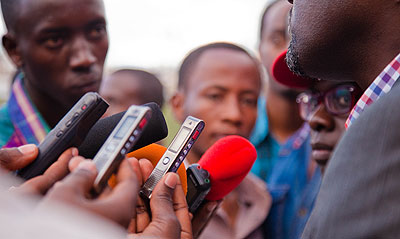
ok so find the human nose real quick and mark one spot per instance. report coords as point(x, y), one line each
point(321, 120)
point(82, 56)
point(232, 112)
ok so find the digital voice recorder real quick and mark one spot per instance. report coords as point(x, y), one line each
point(119, 142)
point(70, 131)
point(175, 154)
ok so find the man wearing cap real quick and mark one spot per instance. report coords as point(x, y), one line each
point(325, 107)
point(280, 136)
point(355, 41)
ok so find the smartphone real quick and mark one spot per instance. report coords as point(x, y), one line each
point(175, 154)
point(121, 140)
point(70, 131)
point(199, 185)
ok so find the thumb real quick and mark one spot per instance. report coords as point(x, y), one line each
point(82, 178)
point(17, 158)
point(161, 203)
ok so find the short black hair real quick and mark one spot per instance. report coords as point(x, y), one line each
point(151, 87)
point(9, 9)
point(191, 59)
point(266, 10)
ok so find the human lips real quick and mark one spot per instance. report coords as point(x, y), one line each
point(321, 153)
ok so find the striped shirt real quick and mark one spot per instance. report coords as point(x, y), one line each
point(20, 121)
point(379, 87)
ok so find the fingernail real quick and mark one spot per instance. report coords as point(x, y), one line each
point(27, 149)
point(75, 152)
point(87, 165)
point(171, 180)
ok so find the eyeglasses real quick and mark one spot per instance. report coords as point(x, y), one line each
point(338, 101)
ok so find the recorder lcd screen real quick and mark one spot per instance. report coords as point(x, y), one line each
point(180, 138)
point(124, 127)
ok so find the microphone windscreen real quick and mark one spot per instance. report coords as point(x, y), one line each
point(155, 130)
point(154, 152)
point(228, 161)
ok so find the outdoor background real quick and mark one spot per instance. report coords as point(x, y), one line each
point(155, 35)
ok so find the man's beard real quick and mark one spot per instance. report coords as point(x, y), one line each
point(292, 58)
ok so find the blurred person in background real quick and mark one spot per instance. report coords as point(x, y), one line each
point(220, 84)
point(281, 137)
point(60, 54)
point(126, 87)
point(355, 41)
point(325, 106)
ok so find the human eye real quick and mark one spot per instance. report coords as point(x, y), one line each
point(214, 96)
point(249, 101)
point(278, 39)
point(97, 31)
point(343, 98)
point(308, 100)
point(339, 100)
point(53, 41)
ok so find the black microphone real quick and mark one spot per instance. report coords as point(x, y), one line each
point(156, 130)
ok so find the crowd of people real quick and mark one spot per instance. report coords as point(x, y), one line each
point(318, 102)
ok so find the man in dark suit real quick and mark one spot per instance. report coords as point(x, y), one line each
point(355, 41)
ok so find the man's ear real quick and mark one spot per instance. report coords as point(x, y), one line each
point(176, 102)
point(10, 44)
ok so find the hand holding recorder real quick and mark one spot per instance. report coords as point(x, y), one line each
point(69, 132)
point(81, 128)
point(175, 153)
point(12, 159)
point(15, 158)
point(170, 215)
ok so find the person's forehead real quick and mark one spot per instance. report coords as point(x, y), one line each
point(277, 17)
point(123, 81)
point(32, 13)
point(218, 58)
point(216, 66)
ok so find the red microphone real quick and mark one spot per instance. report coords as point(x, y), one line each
point(228, 162)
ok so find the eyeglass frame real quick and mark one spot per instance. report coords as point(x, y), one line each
point(321, 98)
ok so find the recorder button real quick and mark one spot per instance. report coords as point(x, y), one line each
point(123, 151)
point(196, 134)
point(60, 133)
point(68, 123)
point(111, 147)
point(136, 132)
point(127, 145)
point(76, 115)
point(165, 161)
point(131, 139)
point(142, 123)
